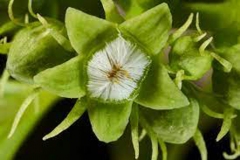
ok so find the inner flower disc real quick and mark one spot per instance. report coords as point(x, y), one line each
point(114, 72)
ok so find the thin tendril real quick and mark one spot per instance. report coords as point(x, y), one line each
point(154, 142)
point(142, 135)
point(231, 156)
point(11, 15)
point(63, 41)
point(227, 122)
point(26, 19)
point(200, 37)
point(198, 24)
point(26, 103)
point(163, 148)
point(226, 64)
point(182, 29)
point(211, 113)
point(204, 45)
point(30, 9)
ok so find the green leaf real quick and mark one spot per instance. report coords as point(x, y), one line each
point(158, 91)
point(15, 93)
point(87, 33)
point(77, 111)
point(111, 12)
point(34, 50)
point(150, 29)
point(172, 126)
point(109, 120)
point(65, 80)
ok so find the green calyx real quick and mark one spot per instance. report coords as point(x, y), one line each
point(70, 79)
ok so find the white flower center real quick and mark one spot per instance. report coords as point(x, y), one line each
point(114, 72)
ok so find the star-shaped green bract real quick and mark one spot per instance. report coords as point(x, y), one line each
point(88, 34)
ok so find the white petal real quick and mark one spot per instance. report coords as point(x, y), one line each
point(109, 83)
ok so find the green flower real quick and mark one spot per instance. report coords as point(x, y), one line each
point(118, 65)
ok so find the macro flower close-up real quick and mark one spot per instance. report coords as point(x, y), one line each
point(113, 76)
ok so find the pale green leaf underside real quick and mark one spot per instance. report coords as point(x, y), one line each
point(151, 28)
point(109, 120)
point(15, 93)
point(65, 80)
point(77, 111)
point(86, 32)
point(158, 91)
point(173, 126)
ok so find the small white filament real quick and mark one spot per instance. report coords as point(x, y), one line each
point(114, 72)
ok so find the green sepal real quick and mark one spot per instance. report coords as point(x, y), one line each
point(172, 126)
point(109, 120)
point(34, 50)
point(150, 29)
point(65, 80)
point(134, 118)
point(158, 91)
point(111, 11)
point(200, 143)
point(227, 122)
point(77, 111)
point(185, 56)
point(87, 33)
